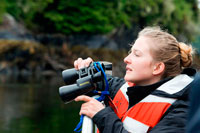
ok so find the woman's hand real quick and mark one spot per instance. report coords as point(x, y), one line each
point(90, 107)
point(80, 63)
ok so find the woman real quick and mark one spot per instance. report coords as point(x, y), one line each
point(153, 95)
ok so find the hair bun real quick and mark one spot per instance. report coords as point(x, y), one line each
point(186, 54)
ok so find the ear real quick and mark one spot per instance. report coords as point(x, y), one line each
point(158, 68)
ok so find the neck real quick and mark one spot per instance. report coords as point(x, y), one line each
point(149, 81)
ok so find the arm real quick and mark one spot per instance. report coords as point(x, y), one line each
point(114, 84)
point(105, 118)
point(92, 107)
point(108, 122)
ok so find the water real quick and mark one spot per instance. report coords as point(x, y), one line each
point(35, 107)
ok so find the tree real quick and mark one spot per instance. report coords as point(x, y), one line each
point(75, 17)
point(180, 17)
point(2, 9)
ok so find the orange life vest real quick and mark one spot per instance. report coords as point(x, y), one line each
point(147, 113)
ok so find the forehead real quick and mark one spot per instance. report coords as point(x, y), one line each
point(142, 44)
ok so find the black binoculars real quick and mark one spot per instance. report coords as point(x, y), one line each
point(83, 81)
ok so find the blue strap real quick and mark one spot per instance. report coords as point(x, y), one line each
point(101, 92)
point(105, 92)
point(101, 98)
point(105, 78)
point(79, 125)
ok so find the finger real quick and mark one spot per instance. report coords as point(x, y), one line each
point(76, 64)
point(79, 60)
point(80, 63)
point(83, 98)
point(83, 112)
point(85, 109)
point(85, 106)
point(88, 61)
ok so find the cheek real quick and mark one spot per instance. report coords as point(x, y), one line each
point(143, 69)
point(142, 64)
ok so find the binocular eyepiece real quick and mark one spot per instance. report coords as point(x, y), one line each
point(83, 81)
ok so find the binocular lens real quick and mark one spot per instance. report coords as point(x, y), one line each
point(70, 76)
point(70, 92)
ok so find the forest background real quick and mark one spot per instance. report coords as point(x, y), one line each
point(44, 37)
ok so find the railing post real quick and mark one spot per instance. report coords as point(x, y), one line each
point(87, 126)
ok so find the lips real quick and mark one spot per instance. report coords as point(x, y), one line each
point(128, 69)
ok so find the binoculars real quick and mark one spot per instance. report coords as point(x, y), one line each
point(83, 81)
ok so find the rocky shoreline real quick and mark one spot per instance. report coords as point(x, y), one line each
point(24, 54)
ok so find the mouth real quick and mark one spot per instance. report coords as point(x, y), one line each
point(128, 69)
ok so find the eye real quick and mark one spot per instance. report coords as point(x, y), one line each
point(136, 53)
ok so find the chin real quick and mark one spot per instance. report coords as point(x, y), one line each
point(128, 79)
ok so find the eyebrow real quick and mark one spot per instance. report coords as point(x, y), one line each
point(131, 50)
point(135, 50)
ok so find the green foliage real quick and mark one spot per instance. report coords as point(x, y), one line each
point(81, 16)
point(25, 10)
point(196, 44)
point(2, 9)
point(180, 17)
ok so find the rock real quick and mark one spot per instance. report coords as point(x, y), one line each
point(51, 39)
point(11, 29)
point(93, 41)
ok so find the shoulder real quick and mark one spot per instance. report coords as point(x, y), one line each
point(174, 119)
point(177, 87)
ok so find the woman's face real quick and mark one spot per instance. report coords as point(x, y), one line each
point(139, 62)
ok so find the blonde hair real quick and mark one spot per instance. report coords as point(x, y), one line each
point(175, 55)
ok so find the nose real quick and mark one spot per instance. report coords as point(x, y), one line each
point(126, 59)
